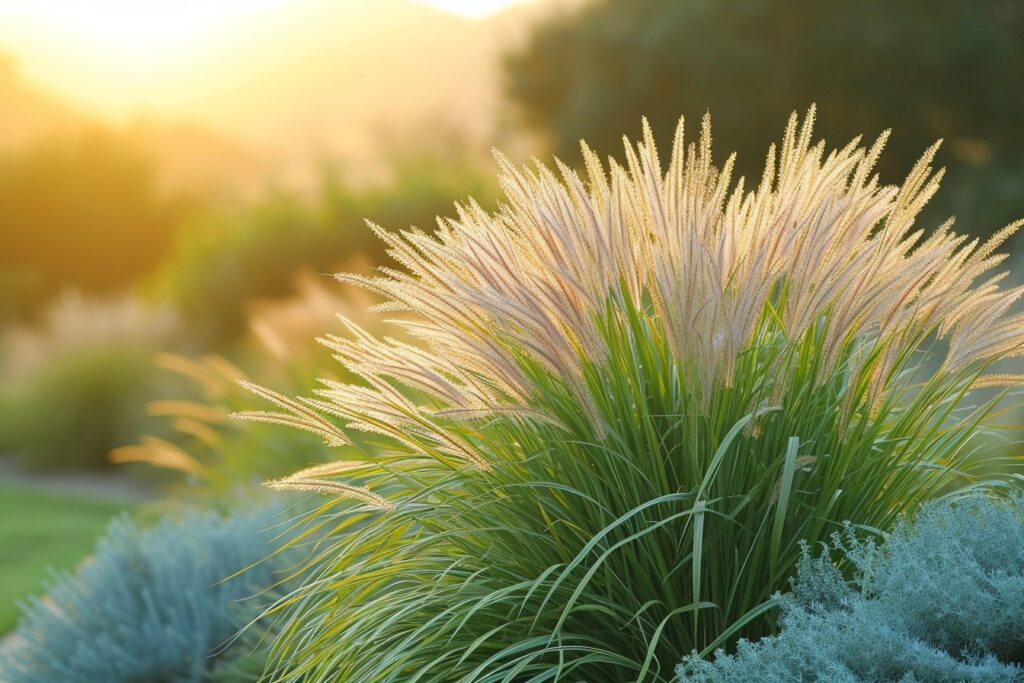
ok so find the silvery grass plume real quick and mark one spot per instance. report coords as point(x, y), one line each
point(630, 395)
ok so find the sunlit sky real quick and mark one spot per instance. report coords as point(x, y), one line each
point(471, 8)
point(117, 56)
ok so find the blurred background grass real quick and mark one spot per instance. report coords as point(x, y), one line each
point(175, 178)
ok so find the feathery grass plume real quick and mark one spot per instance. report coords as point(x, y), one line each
point(306, 482)
point(159, 453)
point(221, 457)
point(629, 397)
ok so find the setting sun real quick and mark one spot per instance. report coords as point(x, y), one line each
point(134, 29)
point(147, 29)
point(117, 58)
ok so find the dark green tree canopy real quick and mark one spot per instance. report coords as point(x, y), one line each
point(86, 212)
point(927, 69)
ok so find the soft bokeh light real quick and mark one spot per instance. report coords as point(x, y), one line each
point(116, 57)
point(136, 29)
point(472, 8)
point(186, 59)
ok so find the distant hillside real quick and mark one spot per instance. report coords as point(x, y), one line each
point(187, 156)
point(196, 159)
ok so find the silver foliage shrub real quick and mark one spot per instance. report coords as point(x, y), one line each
point(941, 600)
point(153, 606)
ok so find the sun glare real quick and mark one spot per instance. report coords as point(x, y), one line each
point(118, 57)
point(134, 29)
point(472, 8)
point(138, 28)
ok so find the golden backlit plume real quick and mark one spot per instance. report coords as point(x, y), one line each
point(817, 247)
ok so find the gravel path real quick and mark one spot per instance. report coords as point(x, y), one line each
point(110, 486)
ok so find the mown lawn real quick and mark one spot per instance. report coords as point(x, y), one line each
point(40, 529)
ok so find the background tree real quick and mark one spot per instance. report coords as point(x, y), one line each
point(83, 211)
point(927, 68)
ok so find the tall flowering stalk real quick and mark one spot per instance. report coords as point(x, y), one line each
point(629, 397)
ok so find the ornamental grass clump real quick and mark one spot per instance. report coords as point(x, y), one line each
point(628, 398)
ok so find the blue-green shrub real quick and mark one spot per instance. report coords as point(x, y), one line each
point(152, 606)
point(941, 600)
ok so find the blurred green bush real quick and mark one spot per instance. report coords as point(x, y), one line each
point(220, 459)
point(73, 411)
point(83, 211)
point(77, 386)
point(226, 260)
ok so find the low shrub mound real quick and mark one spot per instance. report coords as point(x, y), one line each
point(76, 386)
point(155, 605)
point(941, 600)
